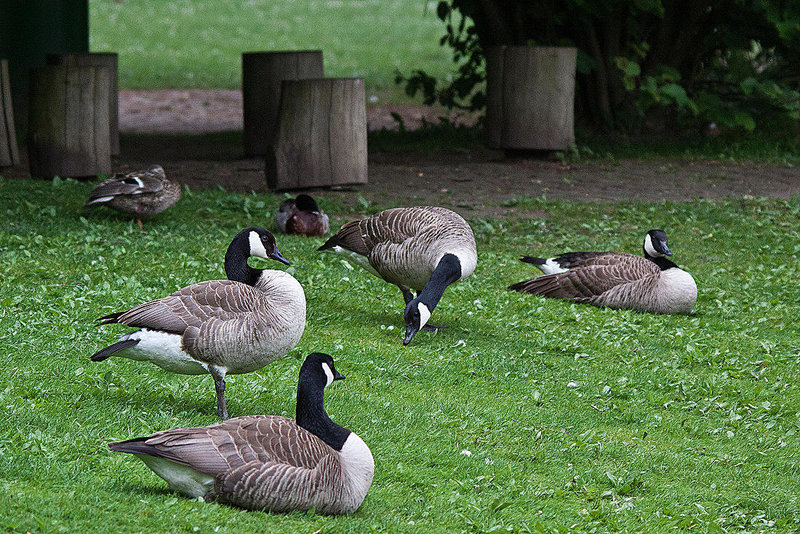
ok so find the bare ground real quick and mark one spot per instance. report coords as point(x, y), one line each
point(176, 129)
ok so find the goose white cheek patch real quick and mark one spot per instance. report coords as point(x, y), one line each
point(648, 247)
point(328, 373)
point(424, 314)
point(256, 246)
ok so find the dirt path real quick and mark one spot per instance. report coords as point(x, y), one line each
point(474, 182)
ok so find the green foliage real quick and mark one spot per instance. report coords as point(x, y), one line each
point(526, 415)
point(734, 63)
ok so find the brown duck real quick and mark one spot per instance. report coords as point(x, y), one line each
point(301, 216)
point(139, 193)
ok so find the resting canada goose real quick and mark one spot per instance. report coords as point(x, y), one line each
point(424, 248)
point(139, 193)
point(301, 216)
point(267, 462)
point(617, 280)
point(220, 327)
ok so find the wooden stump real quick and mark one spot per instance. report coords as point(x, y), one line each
point(98, 59)
point(262, 74)
point(9, 151)
point(530, 97)
point(321, 135)
point(68, 132)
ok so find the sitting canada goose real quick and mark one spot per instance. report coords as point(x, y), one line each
point(220, 327)
point(301, 216)
point(139, 193)
point(617, 280)
point(267, 462)
point(424, 248)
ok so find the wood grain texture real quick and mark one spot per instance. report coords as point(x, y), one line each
point(9, 151)
point(530, 97)
point(321, 136)
point(68, 127)
point(98, 59)
point(262, 74)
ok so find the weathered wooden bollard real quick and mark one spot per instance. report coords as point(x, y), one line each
point(262, 74)
point(9, 151)
point(98, 59)
point(530, 93)
point(321, 135)
point(68, 132)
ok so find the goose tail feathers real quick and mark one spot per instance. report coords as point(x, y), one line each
point(102, 354)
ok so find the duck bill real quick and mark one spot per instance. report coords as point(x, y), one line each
point(277, 256)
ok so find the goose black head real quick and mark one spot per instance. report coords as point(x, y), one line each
point(655, 244)
point(318, 367)
point(263, 245)
point(416, 316)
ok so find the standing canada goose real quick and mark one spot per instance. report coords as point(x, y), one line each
point(616, 279)
point(220, 327)
point(423, 248)
point(301, 216)
point(139, 193)
point(267, 462)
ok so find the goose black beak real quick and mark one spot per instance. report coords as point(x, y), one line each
point(338, 376)
point(410, 333)
point(666, 249)
point(277, 256)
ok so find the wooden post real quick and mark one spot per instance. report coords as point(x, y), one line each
point(68, 133)
point(530, 97)
point(262, 74)
point(9, 151)
point(98, 59)
point(321, 136)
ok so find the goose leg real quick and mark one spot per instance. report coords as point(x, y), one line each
point(408, 296)
point(219, 385)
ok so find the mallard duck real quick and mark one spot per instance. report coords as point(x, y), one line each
point(424, 248)
point(219, 327)
point(616, 279)
point(138, 193)
point(267, 462)
point(301, 216)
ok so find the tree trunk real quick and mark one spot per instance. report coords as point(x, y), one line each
point(98, 59)
point(262, 74)
point(321, 135)
point(68, 124)
point(530, 97)
point(9, 152)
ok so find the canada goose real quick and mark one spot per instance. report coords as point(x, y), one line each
point(220, 327)
point(267, 462)
point(617, 280)
point(301, 216)
point(424, 248)
point(139, 193)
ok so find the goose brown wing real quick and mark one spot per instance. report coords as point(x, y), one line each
point(225, 446)
point(192, 306)
point(571, 260)
point(590, 281)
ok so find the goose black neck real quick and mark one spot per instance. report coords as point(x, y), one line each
point(447, 272)
point(662, 262)
point(236, 267)
point(311, 413)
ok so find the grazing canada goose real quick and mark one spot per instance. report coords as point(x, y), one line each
point(424, 248)
point(139, 193)
point(220, 327)
point(267, 462)
point(617, 280)
point(301, 216)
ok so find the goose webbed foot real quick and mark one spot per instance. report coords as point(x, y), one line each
point(433, 327)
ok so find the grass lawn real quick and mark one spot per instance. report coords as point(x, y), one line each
point(198, 43)
point(526, 415)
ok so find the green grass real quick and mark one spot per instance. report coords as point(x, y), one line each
point(575, 418)
point(198, 44)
